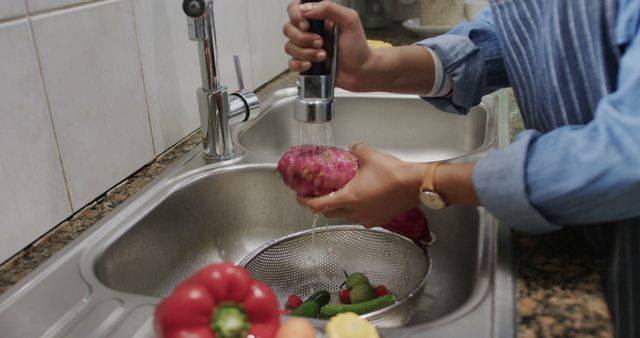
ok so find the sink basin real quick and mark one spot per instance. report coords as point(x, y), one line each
point(193, 227)
point(108, 282)
point(399, 124)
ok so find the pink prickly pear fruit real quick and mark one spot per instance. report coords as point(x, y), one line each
point(411, 224)
point(316, 170)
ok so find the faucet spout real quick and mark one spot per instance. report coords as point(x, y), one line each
point(202, 29)
point(218, 109)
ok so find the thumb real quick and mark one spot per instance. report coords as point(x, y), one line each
point(320, 204)
point(342, 16)
point(362, 151)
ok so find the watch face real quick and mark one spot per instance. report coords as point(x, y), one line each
point(432, 200)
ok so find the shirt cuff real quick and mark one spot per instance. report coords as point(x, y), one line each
point(462, 60)
point(500, 182)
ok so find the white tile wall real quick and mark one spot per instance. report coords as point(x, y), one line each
point(232, 29)
point(12, 8)
point(32, 192)
point(117, 82)
point(41, 5)
point(171, 65)
point(91, 70)
point(171, 70)
point(266, 19)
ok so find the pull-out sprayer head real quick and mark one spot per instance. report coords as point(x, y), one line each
point(315, 103)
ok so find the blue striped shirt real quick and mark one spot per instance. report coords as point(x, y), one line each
point(574, 66)
point(575, 69)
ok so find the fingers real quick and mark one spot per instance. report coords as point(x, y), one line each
point(338, 213)
point(367, 225)
point(328, 10)
point(322, 204)
point(366, 154)
point(304, 47)
point(353, 220)
point(303, 201)
point(301, 38)
point(362, 151)
point(305, 54)
point(299, 66)
point(296, 17)
point(326, 206)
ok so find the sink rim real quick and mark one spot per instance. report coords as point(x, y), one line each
point(284, 95)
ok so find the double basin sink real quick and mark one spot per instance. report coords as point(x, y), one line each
point(107, 282)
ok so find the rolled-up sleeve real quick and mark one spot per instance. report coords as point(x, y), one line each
point(573, 174)
point(500, 182)
point(472, 56)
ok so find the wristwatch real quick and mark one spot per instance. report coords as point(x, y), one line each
point(428, 194)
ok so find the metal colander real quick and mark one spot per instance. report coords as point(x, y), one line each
point(306, 262)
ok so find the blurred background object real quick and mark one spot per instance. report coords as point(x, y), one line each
point(471, 8)
point(441, 12)
point(373, 13)
point(405, 9)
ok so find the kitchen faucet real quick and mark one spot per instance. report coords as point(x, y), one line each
point(219, 110)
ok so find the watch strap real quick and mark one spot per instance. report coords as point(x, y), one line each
point(428, 180)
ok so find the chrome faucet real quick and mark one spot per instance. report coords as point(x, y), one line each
point(218, 109)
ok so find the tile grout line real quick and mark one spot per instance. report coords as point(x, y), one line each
point(29, 13)
point(66, 7)
point(144, 81)
point(26, 6)
point(50, 113)
point(13, 18)
point(17, 17)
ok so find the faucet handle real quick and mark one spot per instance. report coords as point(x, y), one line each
point(193, 8)
point(238, 66)
point(249, 103)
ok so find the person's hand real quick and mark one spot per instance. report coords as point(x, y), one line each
point(383, 188)
point(305, 47)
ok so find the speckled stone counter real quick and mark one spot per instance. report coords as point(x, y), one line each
point(558, 283)
point(559, 287)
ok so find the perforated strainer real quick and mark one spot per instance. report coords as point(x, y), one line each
point(306, 262)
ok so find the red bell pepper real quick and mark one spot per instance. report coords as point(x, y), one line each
point(219, 301)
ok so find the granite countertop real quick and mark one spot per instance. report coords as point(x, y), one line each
point(558, 283)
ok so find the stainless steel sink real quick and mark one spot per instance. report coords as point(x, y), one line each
point(192, 227)
point(107, 282)
point(401, 124)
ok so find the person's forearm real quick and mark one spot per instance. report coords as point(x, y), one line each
point(406, 69)
point(453, 181)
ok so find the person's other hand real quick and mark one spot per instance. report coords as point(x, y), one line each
point(383, 188)
point(305, 47)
